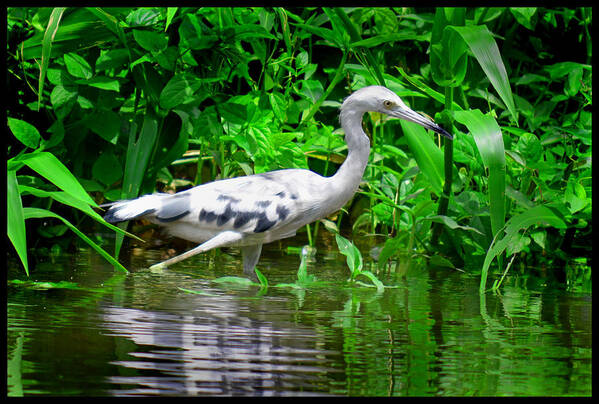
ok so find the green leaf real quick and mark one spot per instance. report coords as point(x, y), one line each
point(150, 40)
point(485, 50)
point(233, 279)
point(560, 70)
point(518, 244)
point(44, 285)
point(112, 59)
point(311, 89)
point(575, 196)
point(47, 43)
point(379, 285)
point(328, 35)
point(278, 105)
point(31, 213)
point(539, 215)
point(385, 20)
point(261, 278)
point(25, 132)
point(106, 124)
point(524, 16)
point(489, 142)
point(449, 59)
point(426, 153)
point(346, 25)
point(451, 223)
point(143, 16)
point(49, 167)
point(574, 82)
point(191, 34)
point(354, 257)
point(107, 169)
point(138, 156)
point(110, 22)
point(391, 246)
point(435, 95)
point(439, 261)
point(67, 199)
point(250, 31)
point(178, 90)
point(79, 29)
point(77, 66)
point(529, 147)
point(15, 220)
point(101, 82)
point(233, 112)
point(170, 14)
point(61, 95)
point(388, 38)
point(539, 237)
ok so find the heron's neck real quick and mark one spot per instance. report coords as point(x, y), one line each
point(350, 173)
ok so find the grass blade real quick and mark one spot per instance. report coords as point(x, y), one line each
point(489, 142)
point(15, 223)
point(372, 64)
point(49, 35)
point(68, 199)
point(36, 213)
point(49, 167)
point(138, 155)
point(485, 50)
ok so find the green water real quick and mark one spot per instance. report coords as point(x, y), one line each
point(139, 334)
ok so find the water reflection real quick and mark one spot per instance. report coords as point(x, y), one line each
point(431, 335)
point(215, 349)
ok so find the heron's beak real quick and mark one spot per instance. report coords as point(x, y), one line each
point(409, 115)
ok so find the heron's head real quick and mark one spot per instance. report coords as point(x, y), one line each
point(381, 99)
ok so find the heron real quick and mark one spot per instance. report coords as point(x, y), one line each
point(252, 210)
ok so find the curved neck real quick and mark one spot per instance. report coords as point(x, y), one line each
point(347, 179)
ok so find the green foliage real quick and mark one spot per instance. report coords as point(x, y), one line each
point(355, 262)
point(131, 100)
point(48, 166)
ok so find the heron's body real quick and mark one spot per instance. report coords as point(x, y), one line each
point(261, 207)
point(249, 211)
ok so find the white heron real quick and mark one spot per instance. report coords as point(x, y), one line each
point(249, 211)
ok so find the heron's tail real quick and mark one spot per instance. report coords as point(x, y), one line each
point(130, 209)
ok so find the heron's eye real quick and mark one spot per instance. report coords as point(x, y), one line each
point(388, 104)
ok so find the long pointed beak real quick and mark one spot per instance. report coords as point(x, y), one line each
point(412, 116)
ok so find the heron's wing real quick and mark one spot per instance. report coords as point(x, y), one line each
point(251, 204)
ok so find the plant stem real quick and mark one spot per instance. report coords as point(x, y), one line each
point(448, 160)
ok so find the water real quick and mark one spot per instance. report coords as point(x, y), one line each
point(140, 335)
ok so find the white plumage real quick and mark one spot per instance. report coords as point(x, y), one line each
point(249, 211)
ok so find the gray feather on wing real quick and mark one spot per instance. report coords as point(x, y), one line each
point(174, 207)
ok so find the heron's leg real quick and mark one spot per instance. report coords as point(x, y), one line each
point(219, 240)
point(251, 255)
